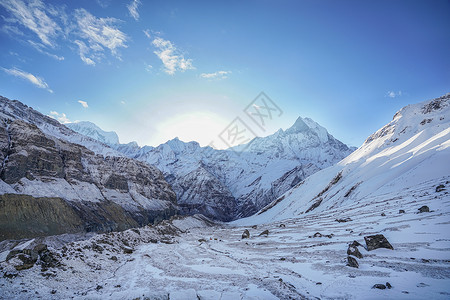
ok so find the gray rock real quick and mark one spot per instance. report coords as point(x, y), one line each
point(377, 241)
point(265, 232)
point(353, 250)
point(246, 234)
point(424, 209)
point(352, 262)
point(379, 286)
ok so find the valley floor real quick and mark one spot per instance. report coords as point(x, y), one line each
point(180, 260)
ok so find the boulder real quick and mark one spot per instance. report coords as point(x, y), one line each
point(424, 209)
point(379, 286)
point(401, 211)
point(265, 232)
point(352, 250)
point(246, 234)
point(352, 262)
point(377, 241)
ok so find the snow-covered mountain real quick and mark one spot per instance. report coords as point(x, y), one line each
point(91, 130)
point(234, 183)
point(50, 184)
point(412, 149)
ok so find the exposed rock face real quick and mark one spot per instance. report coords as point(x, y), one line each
point(72, 188)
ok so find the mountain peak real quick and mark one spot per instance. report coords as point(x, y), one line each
point(299, 126)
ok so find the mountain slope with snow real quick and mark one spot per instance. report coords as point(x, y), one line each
point(413, 148)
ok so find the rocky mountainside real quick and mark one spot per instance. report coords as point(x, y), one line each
point(50, 185)
point(234, 183)
point(412, 150)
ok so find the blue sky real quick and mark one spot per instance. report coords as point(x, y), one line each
point(153, 70)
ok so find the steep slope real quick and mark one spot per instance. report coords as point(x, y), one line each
point(412, 149)
point(234, 183)
point(57, 182)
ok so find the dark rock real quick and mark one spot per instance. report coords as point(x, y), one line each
point(114, 258)
point(355, 244)
point(352, 250)
point(352, 262)
point(377, 241)
point(440, 188)
point(10, 275)
point(255, 226)
point(388, 285)
point(383, 214)
point(53, 292)
point(246, 234)
point(317, 234)
point(401, 211)
point(99, 287)
point(343, 220)
point(282, 226)
point(97, 248)
point(379, 286)
point(202, 240)
point(127, 250)
point(48, 260)
point(424, 209)
point(265, 232)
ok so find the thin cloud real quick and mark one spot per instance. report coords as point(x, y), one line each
point(392, 94)
point(40, 48)
point(216, 75)
point(37, 81)
point(84, 52)
point(61, 117)
point(133, 9)
point(35, 16)
point(100, 34)
point(171, 57)
point(147, 33)
point(83, 103)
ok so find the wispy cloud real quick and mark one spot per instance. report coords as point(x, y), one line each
point(216, 75)
point(100, 34)
point(83, 103)
point(40, 48)
point(392, 94)
point(37, 81)
point(147, 33)
point(133, 9)
point(61, 117)
point(171, 57)
point(148, 67)
point(84, 52)
point(35, 16)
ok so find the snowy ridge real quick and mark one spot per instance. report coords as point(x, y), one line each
point(13, 109)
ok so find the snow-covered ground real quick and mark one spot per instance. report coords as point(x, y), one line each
point(196, 261)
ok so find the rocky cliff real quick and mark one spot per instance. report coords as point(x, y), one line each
point(70, 185)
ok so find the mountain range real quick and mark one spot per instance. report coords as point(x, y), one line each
point(233, 183)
